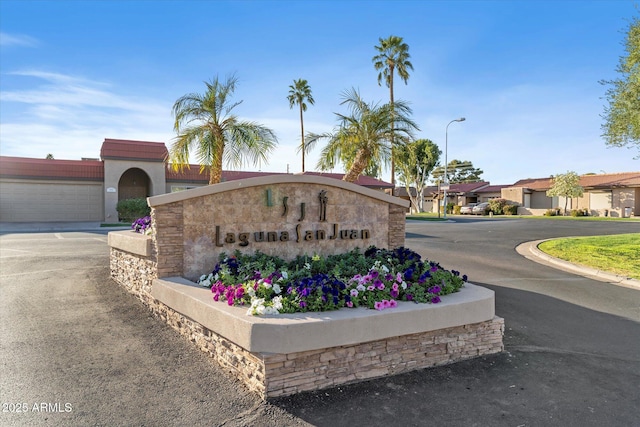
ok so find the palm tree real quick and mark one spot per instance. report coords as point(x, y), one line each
point(393, 56)
point(363, 136)
point(204, 123)
point(300, 91)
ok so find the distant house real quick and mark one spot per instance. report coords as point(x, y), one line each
point(460, 194)
point(616, 195)
point(40, 190)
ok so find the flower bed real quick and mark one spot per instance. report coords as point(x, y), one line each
point(377, 279)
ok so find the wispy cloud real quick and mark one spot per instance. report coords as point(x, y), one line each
point(7, 40)
point(74, 115)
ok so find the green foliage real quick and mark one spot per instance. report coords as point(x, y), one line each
point(579, 212)
point(415, 161)
point(456, 209)
point(450, 206)
point(497, 206)
point(551, 212)
point(458, 171)
point(622, 115)
point(131, 209)
point(206, 127)
point(566, 185)
point(364, 134)
point(510, 209)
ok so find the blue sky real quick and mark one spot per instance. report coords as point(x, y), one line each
point(524, 74)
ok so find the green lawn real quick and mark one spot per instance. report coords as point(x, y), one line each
point(618, 254)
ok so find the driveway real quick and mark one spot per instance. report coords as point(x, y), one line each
point(76, 349)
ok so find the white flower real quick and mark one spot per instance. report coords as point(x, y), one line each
point(277, 303)
point(361, 287)
point(270, 310)
point(276, 289)
point(285, 275)
point(403, 285)
point(385, 268)
point(307, 266)
point(206, 283)
point(204, 276)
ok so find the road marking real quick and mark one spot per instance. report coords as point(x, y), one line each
point(58, 236)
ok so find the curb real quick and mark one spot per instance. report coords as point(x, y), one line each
point(530, 251)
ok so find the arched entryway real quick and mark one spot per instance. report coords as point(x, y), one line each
point(133, 184)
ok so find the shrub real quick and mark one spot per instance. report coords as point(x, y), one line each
point(456, 209)
point(579, 212)
point(131, 209)
point(551, 212)
point(450, 207)
point(497, 206)
point(510, 209)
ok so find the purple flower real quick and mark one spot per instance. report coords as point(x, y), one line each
point(394, 293)
point(435, 299)
point(303, 304)
point(409, 297)
point(435, 289)
point(464, 277)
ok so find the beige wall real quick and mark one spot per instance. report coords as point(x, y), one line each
point(192, 228)
point(113, 170)
point(23, 200)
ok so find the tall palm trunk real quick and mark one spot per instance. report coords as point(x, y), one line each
point(393, 165)
point(302, 137)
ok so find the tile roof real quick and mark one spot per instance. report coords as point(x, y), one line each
point(365, 181)
point(118, 149)
point(27, 168)
point(610, 180)
point(192, 174)
point(491, 189)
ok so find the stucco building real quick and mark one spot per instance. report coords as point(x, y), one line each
point(40, 190)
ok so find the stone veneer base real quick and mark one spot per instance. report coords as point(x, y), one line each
point(321, 365)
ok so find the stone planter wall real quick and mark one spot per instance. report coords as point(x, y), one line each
point(287, 354)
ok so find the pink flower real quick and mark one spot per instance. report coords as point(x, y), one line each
point(393, 303)
point(350, 304)
point(378, 305)
point(354, 292)
point(371, 288)
point(399, 277)
point(386, 303)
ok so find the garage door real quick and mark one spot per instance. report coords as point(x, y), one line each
point(35, 201)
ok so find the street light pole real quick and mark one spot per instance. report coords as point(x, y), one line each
point(446, 146)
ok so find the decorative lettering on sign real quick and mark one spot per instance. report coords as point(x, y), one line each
point(334, 232)
point(243, 238)
point(323, 205)
point(302, 205)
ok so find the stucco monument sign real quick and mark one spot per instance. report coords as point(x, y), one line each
point(287, 216)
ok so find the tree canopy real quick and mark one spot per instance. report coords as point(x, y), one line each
point(206, 128)
point(459, 172)
point(566, 185)
point(299, 92)
point(363, 135)
point(621, 116)
point(415, 162)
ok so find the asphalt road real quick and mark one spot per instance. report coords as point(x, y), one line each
point(77, 350)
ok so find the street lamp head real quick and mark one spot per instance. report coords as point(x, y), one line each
point(461, 119)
